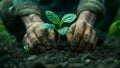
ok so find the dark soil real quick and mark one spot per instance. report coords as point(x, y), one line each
point(104, 56)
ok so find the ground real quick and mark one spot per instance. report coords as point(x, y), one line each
point(106, 55)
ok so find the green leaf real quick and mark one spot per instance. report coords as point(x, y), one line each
point(63, 31)
point(115, 60)
point(115, 28)
point(48, 26)
point(26, 48)
point(68, 18)
point(2, 27)
point(52, 17)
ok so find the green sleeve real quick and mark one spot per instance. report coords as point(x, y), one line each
point(24, 7)
point(96, 6)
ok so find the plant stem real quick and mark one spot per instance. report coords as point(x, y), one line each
point(60, 26)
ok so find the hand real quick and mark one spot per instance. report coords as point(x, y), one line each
point(82, 35)
point(37, 38)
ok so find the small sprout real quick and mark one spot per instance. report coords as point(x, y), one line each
point(67, 18)
point(26, 48)
point(115, 28)
point(115, 60)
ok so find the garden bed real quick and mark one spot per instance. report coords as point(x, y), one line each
point(104, 56)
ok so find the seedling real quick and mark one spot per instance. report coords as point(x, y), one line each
point(115, 28)
point(26, 48)
point(67, 18)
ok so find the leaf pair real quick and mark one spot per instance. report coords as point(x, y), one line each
point(61, 31)
point(67, 18)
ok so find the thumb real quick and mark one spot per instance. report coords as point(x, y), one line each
point(71, 32)
point(51, 34)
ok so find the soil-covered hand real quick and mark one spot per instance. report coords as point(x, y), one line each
point(82, 35)
point(37, 38)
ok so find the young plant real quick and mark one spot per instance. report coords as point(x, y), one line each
point(27, 49)
point(67, 18)
point(115, 28)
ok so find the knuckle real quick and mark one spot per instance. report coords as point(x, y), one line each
point(86, 37)
point(35, 41)
point(69, 36)
point(28, 43)
point(33, 27)
point(79, 31)
point(37, 32)
point(36, 24)
point(88, 24)
point(51, 31)
point(29, 30)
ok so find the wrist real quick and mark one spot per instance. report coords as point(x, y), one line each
point(88, 16)
point(31, 19)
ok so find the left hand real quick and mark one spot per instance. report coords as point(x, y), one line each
point(82, 35)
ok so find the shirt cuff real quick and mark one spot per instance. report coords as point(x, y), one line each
point(25, 8)
point(94, 6)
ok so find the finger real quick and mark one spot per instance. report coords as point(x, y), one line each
point(29, 44)
point(71, 32)
point(45, 42)
point(42, 34)
point(38, 46)
point(51, 34)
point(79, 31)
point(85, 39)
point(87, 34)
point(32, 37)
point(92, 41)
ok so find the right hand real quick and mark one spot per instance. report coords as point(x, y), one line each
point(38, 38)
point(81, 33)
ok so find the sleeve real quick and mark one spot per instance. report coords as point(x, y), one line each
point(96, 6)
point(10, 12)
point(24, 7)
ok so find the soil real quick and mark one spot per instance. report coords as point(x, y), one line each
point(106, 55)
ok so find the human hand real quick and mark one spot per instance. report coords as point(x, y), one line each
point(36, 37)
point(82, 35)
